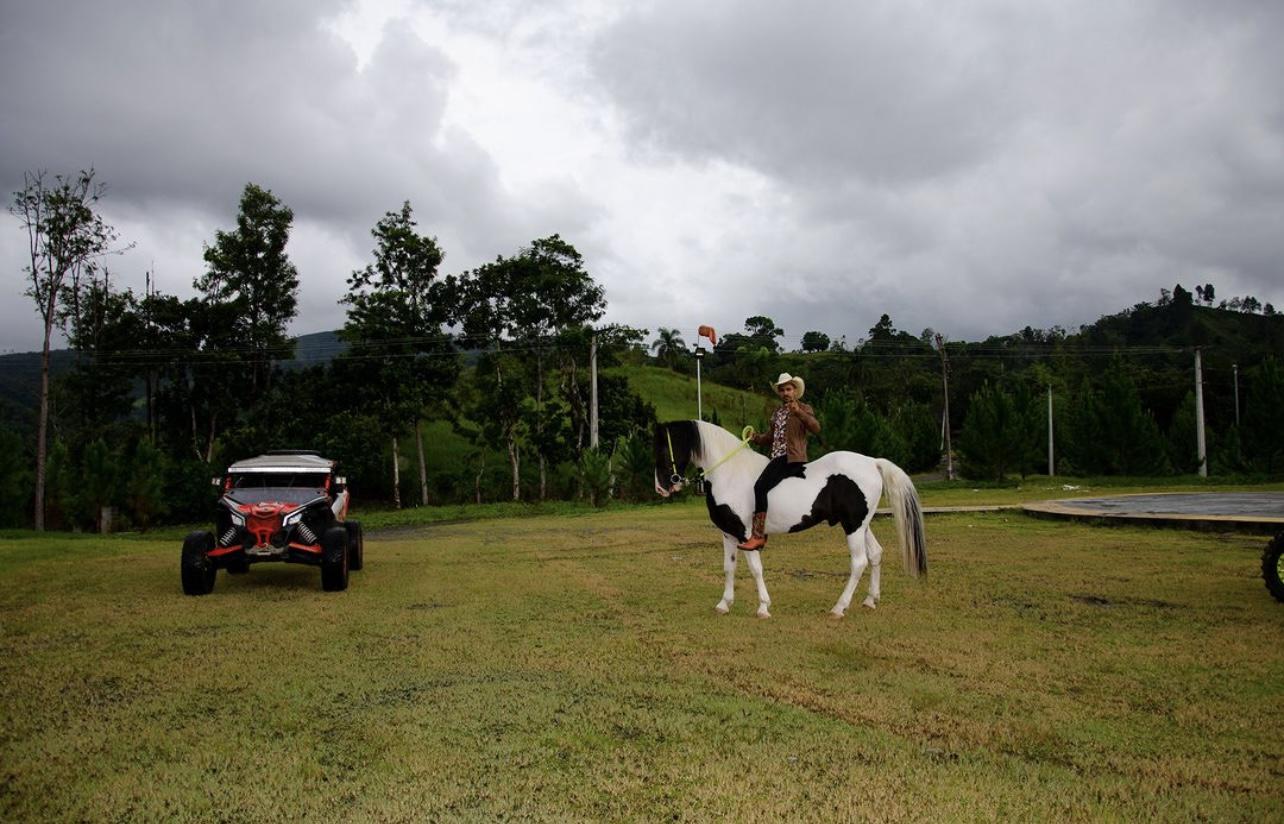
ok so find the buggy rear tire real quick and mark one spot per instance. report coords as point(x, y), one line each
point(198, 571)
point(334, 559)
point(356, 545)
point(1271, 567)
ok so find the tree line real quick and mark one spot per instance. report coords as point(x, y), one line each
point(164, 391)
point(1122, 389)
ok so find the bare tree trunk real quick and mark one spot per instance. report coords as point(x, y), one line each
point(514, 460)
point(539, 424)
point(191, 407)
point(151, 423)
point(423, 467)
point(481, 469)
point(209, 444)
point(396, 474)
point(42, 428)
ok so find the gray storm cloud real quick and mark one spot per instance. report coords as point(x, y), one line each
point(971, 167)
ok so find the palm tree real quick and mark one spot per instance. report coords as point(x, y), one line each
point(669, 346)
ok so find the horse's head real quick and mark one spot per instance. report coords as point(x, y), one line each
point(677, 444)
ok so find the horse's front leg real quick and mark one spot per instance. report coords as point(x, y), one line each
point(729, 567)
point(755, 566)
point(856, 548)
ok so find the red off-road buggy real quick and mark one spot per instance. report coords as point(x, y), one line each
point(286, 505)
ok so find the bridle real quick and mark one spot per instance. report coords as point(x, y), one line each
point(676, 478)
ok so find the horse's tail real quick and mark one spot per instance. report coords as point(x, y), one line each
point(903, 499)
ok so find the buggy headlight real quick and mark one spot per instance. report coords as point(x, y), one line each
point(294, 517)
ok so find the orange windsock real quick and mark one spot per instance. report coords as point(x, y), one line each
point(707, 332)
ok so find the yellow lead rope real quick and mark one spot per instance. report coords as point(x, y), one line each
point(745, 436)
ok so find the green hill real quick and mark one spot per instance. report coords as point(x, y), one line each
point(674, 396)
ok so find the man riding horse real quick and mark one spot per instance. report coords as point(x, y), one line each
point(790, 426)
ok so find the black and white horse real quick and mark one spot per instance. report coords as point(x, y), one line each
point(838, 488)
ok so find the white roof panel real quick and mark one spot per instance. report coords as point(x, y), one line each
point(283, 463)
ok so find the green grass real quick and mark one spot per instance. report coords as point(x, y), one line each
point(559, 668)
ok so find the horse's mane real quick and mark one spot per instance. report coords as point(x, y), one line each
point(684, 436)
point(717, 436)
point(724, 443)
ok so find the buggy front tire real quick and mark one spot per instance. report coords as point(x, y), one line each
point(197, 570)
point(334, 559)
point(356, 545)
point(1271, 563)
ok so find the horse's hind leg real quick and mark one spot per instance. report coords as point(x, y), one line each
point(728, 567)
point(856, 548)
point(874, 552)
point(755, 566)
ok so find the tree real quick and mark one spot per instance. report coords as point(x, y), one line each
point(401, 356)
point(15, 478)
point(248, 269)
point(66, 237)
point(883, 330)
point(849, 423)
point(1263, 436)
point(763, 332)
point(1109, 431)
point(104, 330)
point(145, 484)
point(815, 342)
point(1000, 432)
point(197, 373)
point(539, 301)
point(669, 346)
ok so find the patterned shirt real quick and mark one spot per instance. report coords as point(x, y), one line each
point(778, 421)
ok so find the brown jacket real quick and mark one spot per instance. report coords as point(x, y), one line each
point(797, 427)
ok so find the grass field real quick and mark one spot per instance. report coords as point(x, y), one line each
point(571, 667)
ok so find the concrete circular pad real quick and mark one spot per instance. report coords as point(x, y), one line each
point(1257, 512)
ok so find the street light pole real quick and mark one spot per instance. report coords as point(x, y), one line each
point(699, 356)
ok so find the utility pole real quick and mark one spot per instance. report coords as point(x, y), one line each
point(1051, 463)
point(593, 392)
point(699, 356)
point(945, 382)
point(1235, 369)
point(1199, 416)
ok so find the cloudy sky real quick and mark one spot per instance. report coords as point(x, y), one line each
point(972, 166)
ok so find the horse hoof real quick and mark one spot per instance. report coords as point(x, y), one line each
point(836, 614)
point(870, 603)
point(762, 613)
point(722, 609)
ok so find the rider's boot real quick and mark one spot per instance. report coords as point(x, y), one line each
point(759, 538)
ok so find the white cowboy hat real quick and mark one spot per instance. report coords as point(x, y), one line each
point(785, 377)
